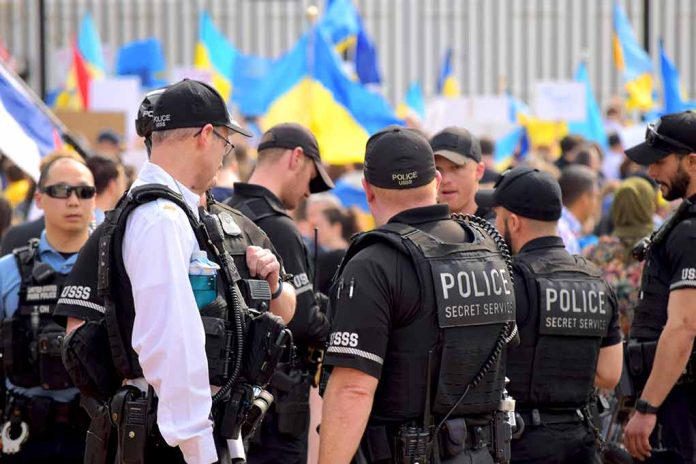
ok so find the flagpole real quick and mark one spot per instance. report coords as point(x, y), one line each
point(62, 128)
point(42, 48)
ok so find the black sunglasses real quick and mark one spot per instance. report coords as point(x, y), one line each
point(653, 138)
point(229, 146)
point(62, 191)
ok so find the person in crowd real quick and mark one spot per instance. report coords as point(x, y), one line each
point(632, 213)
point(110, 181)
point(580, 205)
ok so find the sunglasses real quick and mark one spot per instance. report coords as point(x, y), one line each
point(62, 191)
point(653, 139)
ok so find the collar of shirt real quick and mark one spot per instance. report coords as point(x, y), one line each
point(540, 243)
point(572, 221)
point(254, 190)
point(154, 174)
point(53, 258)
point(422, 214)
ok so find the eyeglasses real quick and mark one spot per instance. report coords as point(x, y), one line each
point(228, 145)
point(63, 191)
point(652, 138)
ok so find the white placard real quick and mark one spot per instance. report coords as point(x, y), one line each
point(560, 101)
point(117, 94)
point(191, 73)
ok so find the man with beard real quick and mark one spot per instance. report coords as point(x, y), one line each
point(567, 319)
point(660, 349)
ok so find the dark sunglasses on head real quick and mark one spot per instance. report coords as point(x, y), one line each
point(653, 138)
point(83, 192)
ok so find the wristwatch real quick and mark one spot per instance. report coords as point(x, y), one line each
point(278, 291)
point(644, 407)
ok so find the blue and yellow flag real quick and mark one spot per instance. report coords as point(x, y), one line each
point(142, 58)
point(214, 53)
point(592, 128)
point(340, 24)
point(673, 93)
point(633, 62)
point(413, 104)
point(309, 86)
point(447, 84)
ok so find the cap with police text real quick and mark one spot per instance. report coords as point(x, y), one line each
point(191, 103)
point(291, 135)
point(457, 145)
point(673, 133)
point(398, 158)
point(525, 191)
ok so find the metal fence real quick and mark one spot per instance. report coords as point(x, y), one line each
point(496, 43)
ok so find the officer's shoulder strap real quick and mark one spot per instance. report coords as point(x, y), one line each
point(25, 257)
point(255, 234)
point(257, 208)
point(389, 234)
point(114, 227)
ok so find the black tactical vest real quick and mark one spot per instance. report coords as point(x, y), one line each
point(570, 309)
point(467, 299)
point(116, 289)
point(31, 340)
point(651, 310)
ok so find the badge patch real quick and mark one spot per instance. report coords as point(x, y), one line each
point(229, 226)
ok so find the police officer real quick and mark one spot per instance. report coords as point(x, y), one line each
point(44, 420)
point(458, 158)
point(662, 335)
point(567, 319)
point(420, 315)
point(174, 334)
point(288, 169)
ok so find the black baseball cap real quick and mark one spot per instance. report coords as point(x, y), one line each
point(291, 135)
point(673, 133)
point(191, 103)
point(531, 193)
point(398, 158)
point(456, 144)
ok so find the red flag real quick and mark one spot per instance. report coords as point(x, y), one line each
point(81, 75)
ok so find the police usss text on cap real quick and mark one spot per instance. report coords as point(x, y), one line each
point(398, 158)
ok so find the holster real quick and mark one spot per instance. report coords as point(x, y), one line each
point(99, 446)
point(292, 404)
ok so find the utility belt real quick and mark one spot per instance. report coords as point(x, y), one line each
point(471, 441)
point(39, 416)
point(539, 417)
point(639, 358)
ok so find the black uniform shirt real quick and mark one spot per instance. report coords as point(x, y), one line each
point(671, 265)
point(378, 290)
point(309, 325)
point(540, 246)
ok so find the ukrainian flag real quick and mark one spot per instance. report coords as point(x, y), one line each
point(413, 104)
point(633, 62)
point(87, 64)
point(340, 24)
point(447, 84)
point(309, 86)
point(214, 53)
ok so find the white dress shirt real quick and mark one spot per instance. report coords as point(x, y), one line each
point(168, 333)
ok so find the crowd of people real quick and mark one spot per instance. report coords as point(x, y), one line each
point(336, 286)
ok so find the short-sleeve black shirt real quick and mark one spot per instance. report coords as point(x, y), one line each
point(309, 325)
point(378, 290)
point(538, 247)
point(671, 265)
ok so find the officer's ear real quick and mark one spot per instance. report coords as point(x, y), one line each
point(691, 161)
point(480, 168)
point(514, 223)
point(369, 193)
point(438, 181)
point(296, 158)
